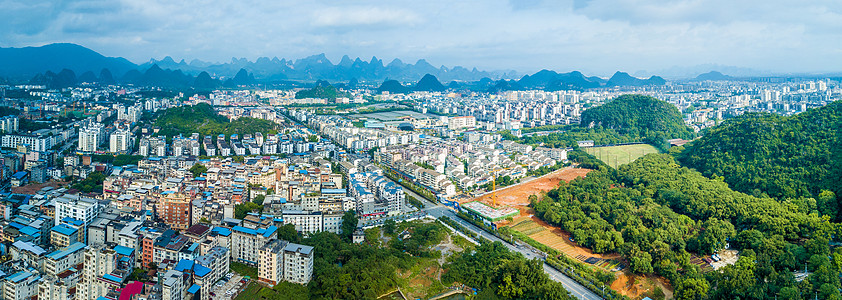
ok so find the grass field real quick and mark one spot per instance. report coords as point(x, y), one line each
point(615, 156)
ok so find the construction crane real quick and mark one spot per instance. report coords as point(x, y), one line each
point(494, 185)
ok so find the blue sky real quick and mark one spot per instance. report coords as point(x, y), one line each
point(595, 36)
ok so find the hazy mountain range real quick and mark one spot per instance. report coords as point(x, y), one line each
point(61, 65)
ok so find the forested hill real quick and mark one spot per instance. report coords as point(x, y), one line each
point(661, 216)
point(639, 115)
point(202, 119)
point(784, 157)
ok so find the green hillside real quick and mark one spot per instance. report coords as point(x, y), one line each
point(321, 92)
point(642, 116)
point(663, 218)
point(784, 157)
point(626, 119)
point(202, 119)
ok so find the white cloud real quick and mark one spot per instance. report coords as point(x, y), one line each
point(591, 35)
point(356, 16)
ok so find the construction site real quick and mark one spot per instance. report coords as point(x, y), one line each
point(516, 197)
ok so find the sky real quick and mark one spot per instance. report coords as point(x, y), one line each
point(594, 36)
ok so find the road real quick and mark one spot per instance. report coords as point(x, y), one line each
point(576, 289)
point(438, 210)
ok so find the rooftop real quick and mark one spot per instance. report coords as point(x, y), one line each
point(56, 255)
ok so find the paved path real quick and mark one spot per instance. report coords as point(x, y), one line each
point(576, 289)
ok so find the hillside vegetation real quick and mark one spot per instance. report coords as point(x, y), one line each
point(202, 119)
point(640, 116)
point(321, 92)
point(784, 157)
point(658, 214)
point(626, 119)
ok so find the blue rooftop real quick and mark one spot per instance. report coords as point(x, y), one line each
point(64, 229)
point(20, 175)
point(201, 270)
point(222, 231)
point(193, 289)
point(56, 255)
point(72, 221)
point(125, 251)
point(112, 278)
point(30, 231)
point(244, 230)
point(333, 191)
point(184, 264)
point(19, 276)
point(270, 231)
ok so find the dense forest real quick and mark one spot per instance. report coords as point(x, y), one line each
point(202, 119)
point(783, 157)
point(659, 215)
point(640, 116)
point(626, 119)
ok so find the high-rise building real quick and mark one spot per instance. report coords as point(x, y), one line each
point(21, 285)
point(120, 141)
point(153, 146)
point(90, 137)
point(175, 210)
point(9, 124)
point(38, 143)
point(99, 261)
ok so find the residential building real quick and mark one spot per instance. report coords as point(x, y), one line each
point(120, 141)
point(175, 210)
point(298, 263)
point(246, 242)
point(90, 137)
point(21, 285)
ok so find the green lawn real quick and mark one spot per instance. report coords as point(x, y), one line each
point(619, 155)
point(282, 291)
point(244, 269)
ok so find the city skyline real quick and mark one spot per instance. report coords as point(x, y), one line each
point(596, 36)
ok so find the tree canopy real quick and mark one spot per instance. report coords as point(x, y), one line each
point(641, 116)
point(783, 157)
point(204, 120)
point(626, 119)
point(659, 214)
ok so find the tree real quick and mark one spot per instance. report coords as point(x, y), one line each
point(259, 199)
point(288, 233)
point(389, 226)
point(198, 170)
point(829, 292)
point(641, 262)
point(691, 288)
point(241, 210)
point(349, 225)
point(713, 237)
point(204, 220)
point(92, 183)
point(313, 138)
point(827, 203)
